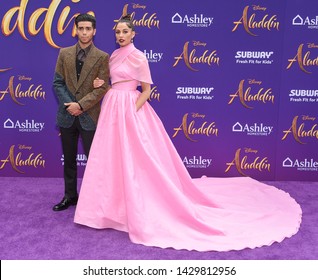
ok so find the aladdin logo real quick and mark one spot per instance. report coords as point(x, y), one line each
point(194, 93)
point(190, 57)
point(197, 162)
point(190, 129)
point(41, 18)
point(153, 56)
point(17, 92)
point(303, 95)
point(255, 129)
point(304, 60)
point(80, 158)
point(301, 165)
point(253, 57)
point(299, 131)
point(22, 159)
point(245, 95)
point(147, 20)
point(26, 126)
point(310, 22)
point(245, 163)
point(154, 94)
point(192, 21)
point(249, 22)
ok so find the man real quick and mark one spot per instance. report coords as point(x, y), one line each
point(79, 102)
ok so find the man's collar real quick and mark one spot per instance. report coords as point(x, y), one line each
point(86, 50)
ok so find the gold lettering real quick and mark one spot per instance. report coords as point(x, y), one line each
point(264, 24)
point(258, 163)
point(293, 130)
point(154, 94)
point(291, 61)
point(312, 45)
point(184, 55)
point(250, 150)
point(34, 27)
point(253, 81)
point(31, 161)
point(299, 58)
point(261, 95)
point(146, 20)
point(257, 7)
point(183, 127)
point(15, 93)
point(47, 22)
point(300, 132)
point(239, 93)
point(243, 20)
point(251, 23)
point(307, 61)
point(60, 24)
point(24, 147)
point(10, 159)
point(10, 90)
point(198, 43)
point(204, 129)
point(137, 6)
point(30, 92)
point(205, 58)
point(4, 70)
point(235, 162)
point(313, 132)
point(308, 118)
point(197, 115)
point(4, 162)
point(24, 78)
point(6, 21)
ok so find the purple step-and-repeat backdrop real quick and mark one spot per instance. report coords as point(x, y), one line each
point(235, 82)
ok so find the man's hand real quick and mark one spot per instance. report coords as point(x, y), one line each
point(73, 108)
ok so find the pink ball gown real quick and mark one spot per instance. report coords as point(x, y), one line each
point(136, 182)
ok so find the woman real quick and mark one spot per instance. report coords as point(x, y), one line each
point(136, 182)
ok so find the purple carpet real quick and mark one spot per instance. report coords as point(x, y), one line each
point(30, 230)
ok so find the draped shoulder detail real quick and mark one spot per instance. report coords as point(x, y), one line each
point(129, 63)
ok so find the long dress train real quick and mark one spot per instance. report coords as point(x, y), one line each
point(135, 182)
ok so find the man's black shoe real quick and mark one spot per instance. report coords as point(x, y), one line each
point(65, 203)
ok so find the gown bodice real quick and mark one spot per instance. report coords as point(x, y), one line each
point(129, 63)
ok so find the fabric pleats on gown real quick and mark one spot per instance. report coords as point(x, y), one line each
point(135, 181)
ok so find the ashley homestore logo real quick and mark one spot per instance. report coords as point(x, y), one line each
point(196, 20)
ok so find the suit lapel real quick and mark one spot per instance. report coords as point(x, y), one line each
point(71, 64)
point(90, 61)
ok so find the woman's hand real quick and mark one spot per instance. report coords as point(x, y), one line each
point(143, 97)
point(98, 83)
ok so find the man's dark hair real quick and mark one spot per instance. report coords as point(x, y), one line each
point(85, 17)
